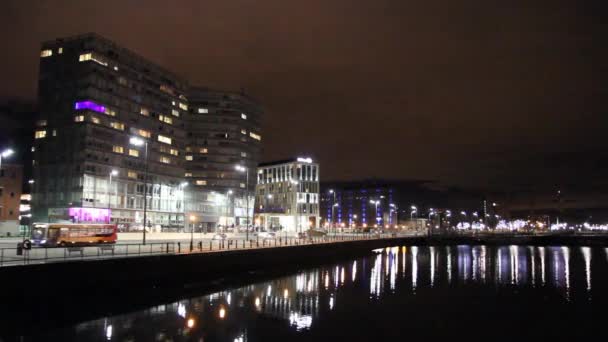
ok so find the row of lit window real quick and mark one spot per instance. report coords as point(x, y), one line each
point(49, 52)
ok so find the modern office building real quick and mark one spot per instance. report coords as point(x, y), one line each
point(10, 198)
point(95, 97)
point(224, 130)
point(359, 204)
point(287, 195)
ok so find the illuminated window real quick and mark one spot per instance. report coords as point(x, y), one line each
point(40, 134)
point(60, 50)
point(90, 57)
point(164, 139)
point(110, 112)
point(189, 158)
point(242, 185)
point(203, 150)
point(203, 110)
point(166, 89)
point(117, 125)
point(243, 131)
point(122, 81)
point(173, 152)
point(173, 103)
point(166, 119)
point(255, 136)
point(188, 149)
point(144, 133)
point(133, 153)
point(132, 174)
point(243, 154)
point(46, 53)
point(80, 105)
point(174, 112)
point(201, 182)
point(85, 57)
point(79, 118)
point(95, 119)
point(183, 106)
point(165, 160)
point(188, 174)
point(118, 149)
point(243, 116)
point(54, 133)
point(41, 123)
point(144, 112)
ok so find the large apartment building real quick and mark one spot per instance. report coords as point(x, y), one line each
point(94, 98)
point(287, 195)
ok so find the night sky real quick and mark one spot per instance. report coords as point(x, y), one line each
point(474, 92)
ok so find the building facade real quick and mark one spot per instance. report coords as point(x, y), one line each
point(363, 204)
point(224, 130)
point(94, 98)
point(10, 198)
point(287, 195)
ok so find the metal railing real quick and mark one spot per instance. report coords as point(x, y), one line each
point(17, 256)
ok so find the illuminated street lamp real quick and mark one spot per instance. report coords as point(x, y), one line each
point(136, 141)
point(332, 224)
point(414, 211)
point(6, 153)
point(245, 169)
point(375, 202)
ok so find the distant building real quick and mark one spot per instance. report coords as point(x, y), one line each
point(287, 195)
point(94, 98)
point(10, 198)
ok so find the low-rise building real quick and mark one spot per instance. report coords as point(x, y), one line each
point(287, 195)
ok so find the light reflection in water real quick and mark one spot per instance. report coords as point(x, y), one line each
point(587, 257)
point(414, 267)
point(432, 250)
point(295, 300)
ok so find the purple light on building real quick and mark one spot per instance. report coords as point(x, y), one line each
point(92, 215)
point(89, 105)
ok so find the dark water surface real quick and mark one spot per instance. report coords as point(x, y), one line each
point(397, 293)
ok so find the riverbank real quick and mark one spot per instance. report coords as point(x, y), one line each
point(87, 289)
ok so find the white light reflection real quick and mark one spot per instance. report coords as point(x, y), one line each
point(513, 254)
point(532, 260)
point(403, 263)
point(449, 264)
point(414, 267)
point(300, 321)
point(475, 263)
point(326, 280)
point(342, 276)
point(268, 290)
point(432, 250)
point(229, 298)
point(541, 251)
point(331, 303)
point(240, 339)
point(393, 268)
point(587, 256)
point(354, 270)
point(376, 277)
point(109, 332)
point(566, 253)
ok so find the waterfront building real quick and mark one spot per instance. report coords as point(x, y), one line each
point(287, 195)
point(94, 98)
point(224, 130)
point(10, 198)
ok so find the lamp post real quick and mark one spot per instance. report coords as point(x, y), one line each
point(136, 141)
point(297, 227)
point(375, 202)
point(182, 185)
point(112, 173)
point(231, 199)
point(394, 209)
point(192, 222)
point(245, 169)
point(332, 224)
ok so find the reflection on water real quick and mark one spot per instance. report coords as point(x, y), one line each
point(296, 303)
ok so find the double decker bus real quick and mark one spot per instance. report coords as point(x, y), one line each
point(69, 234)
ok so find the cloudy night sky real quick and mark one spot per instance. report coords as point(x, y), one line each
point(473, 92)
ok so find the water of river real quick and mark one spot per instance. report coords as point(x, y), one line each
point(395, 293)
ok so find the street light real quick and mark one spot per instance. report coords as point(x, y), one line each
point(113, 173)
point(331, 191)
point(6, 153)
point(376, 202)
point(245, 169)
point(136, 141)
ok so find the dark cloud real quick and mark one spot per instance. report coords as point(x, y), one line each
point(398, 89)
